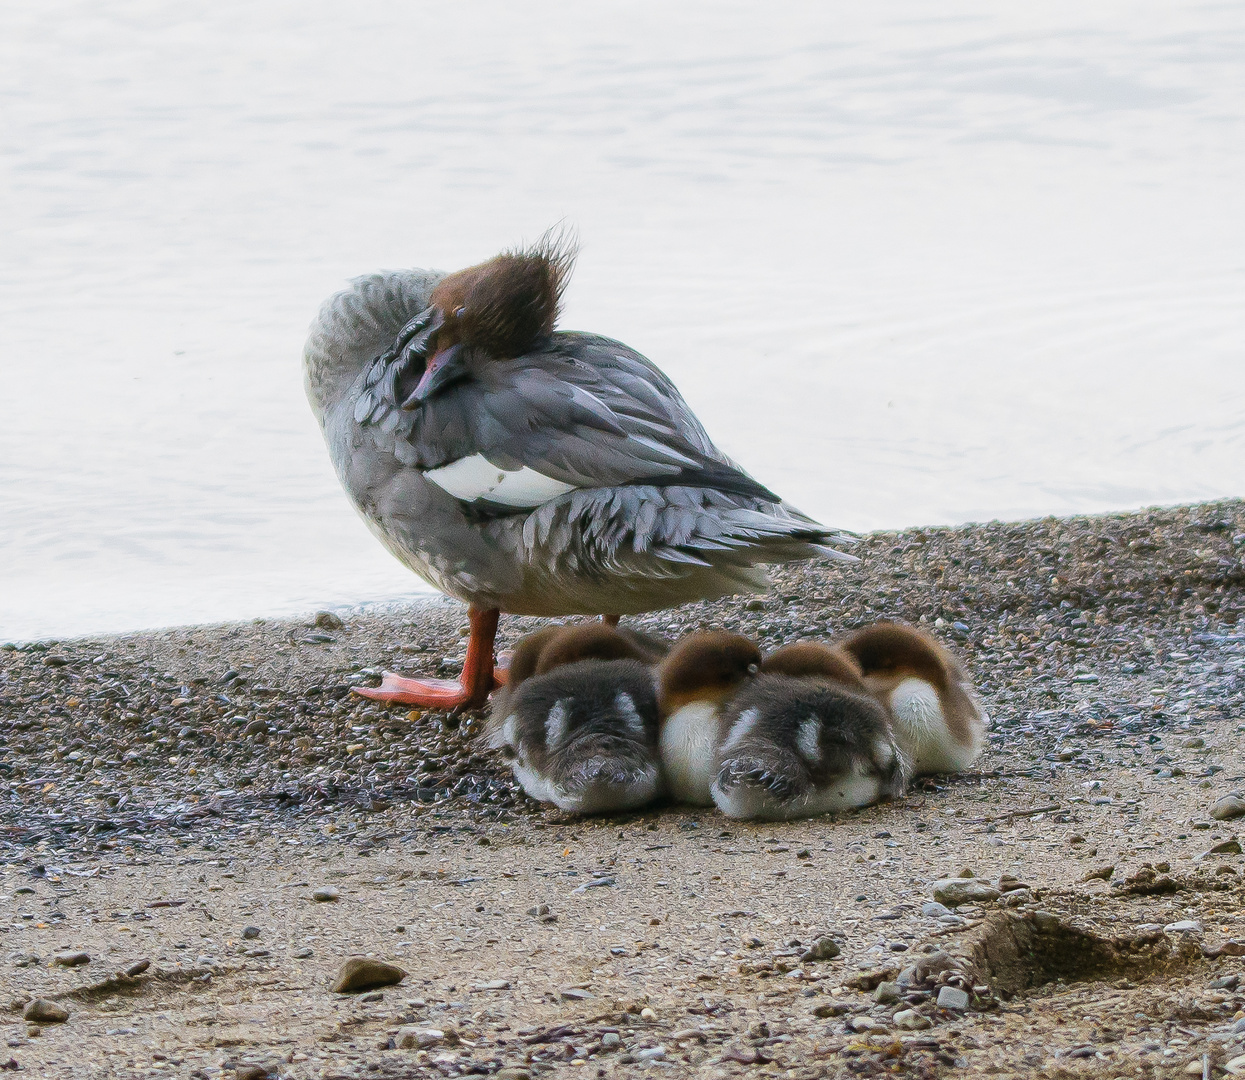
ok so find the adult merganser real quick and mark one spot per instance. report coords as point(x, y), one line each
point(695, 682)
point(529, 471)
point(935, 718)
point(577, 719)
point(805, 737)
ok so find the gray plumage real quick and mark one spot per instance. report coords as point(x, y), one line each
point(656, 515)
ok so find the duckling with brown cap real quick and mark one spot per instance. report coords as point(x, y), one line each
point(929, 697)
point(805, 738)
point(578, 718)
point(694, 684)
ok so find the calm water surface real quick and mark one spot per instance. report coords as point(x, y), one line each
point(907, 268)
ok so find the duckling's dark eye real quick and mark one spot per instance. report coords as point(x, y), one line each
point(753, 668)
point(508, 752)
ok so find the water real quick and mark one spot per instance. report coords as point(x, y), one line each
point(907, 268)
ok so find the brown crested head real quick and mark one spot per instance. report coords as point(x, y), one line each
point(706, 667)
point(813, 660)
point(507, 304)
point(586, 641)
point(889, 649)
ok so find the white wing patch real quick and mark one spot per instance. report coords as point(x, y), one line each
point(555, 724)
point(808, 741)
point(744, 724)
point(475, 478)
point(630, 715)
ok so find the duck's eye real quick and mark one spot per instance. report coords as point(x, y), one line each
point(509, 752)
point(460, 312)
point(753, 669)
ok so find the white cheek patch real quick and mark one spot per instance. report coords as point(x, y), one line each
point(555, 725)
point(475, 478)
point(630, 714)
point(808, 742)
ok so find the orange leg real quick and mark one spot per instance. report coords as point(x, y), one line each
point(471, 691)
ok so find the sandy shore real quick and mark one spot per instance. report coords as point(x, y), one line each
point(226, 773)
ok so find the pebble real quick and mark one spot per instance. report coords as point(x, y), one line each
point(42, 1011)
point(513, 1072)
point(410, 1037)
point(1238, 1028)
point(952, 997)
point(932, 909)
point(1227, 847)
point(911, 1020)
point(1184, 926)
point(1235, 1065)
point(364, 973)
point(1227, 808)
point(647, 1014)
point(137, 968)
point(610, 1039)
point(326, 620)
point(71, 959)
point(250, 933)
point(326, 895)
point(574, 993)
point(653, 1053)
point(955, 891)
point(304, 953)
point(887, 992)
point(824, 948)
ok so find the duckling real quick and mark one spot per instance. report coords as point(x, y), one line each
point(805, 738)
point(577, 719)
point(695, 681)
point(935, 717)
point(526, 469)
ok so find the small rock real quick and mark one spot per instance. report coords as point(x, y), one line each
point(824, 948)
point(653, 1053)
point(647, 1014)
point(364, 973)
point(513, 1072)
point(70, 959)
point(1045, 922)
point(574, 993)
point(250, 933)
point(1228, 847)
point(1230, 806)
point(26, 960)
point(831, 1008)
point(42, 1011)
point(861, 1024)
point(304, 953)
point(955, 891)
point(495, 984)
point(610, 1039)
point(887, 992)
point(1236, 1065)
point(931, 909)
point(252, 1072)
point(137, 968)
point(1103, 873)
point(1239, 1027)
point(326, 895)
point(372, 996)
point(326, 620)
point(1184, 926)
point(911, 1020)
point(1194, 743)
point(952, 997)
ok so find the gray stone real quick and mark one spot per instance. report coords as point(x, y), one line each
point(326, 620)
point(326, 895)
point(69, 959)
point(304, 953)
point(824, 948)
point(955, 891)
point(574, 993)
point(137, 968)
point(952, 997)
point(911, 1020)
point(887, 992)
point(1230, 806)
point(931, 909)
point(1045, 922)
point(610, 1039)
point(250, 933)
point(1239, 1027)
point(410, 1037)
point(653, 1053)
point(42, 1011)
point(1184, 926)
point(364, 973)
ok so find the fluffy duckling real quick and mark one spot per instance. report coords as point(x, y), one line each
point(695, 681)
point(936, 720)
point(578, 718)
point(805, 738)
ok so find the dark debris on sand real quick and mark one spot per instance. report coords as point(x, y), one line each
point(1088, 638)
